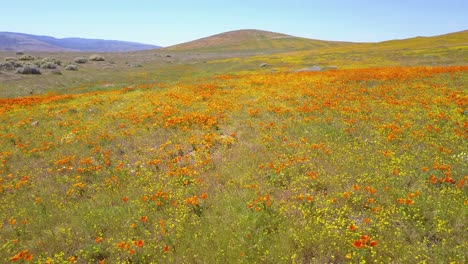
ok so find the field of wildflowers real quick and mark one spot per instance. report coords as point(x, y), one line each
point(343, 166)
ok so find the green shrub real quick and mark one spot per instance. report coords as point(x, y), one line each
point(80, 60)
point(71, 67)
point(48, 65)
point(28, 69)
point(27, 58)
point(7, 66)
point(96, 58)
point(51, 60)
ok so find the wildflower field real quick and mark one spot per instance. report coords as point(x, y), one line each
point(340, 166)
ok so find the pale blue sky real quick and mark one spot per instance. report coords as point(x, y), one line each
point(174, 21)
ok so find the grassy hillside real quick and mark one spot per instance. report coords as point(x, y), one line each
point(254, 41)
point(450, 49)
point(345, 166)
point(447, 40)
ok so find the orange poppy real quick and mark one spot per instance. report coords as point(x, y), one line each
point(365, 238)
point(139, 243)
point(358, 244)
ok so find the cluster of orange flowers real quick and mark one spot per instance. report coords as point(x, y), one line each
point(23, 255)
point(193, 200)
point(447, 178)
point(130, 247)
point(260, 203)
point(364, 242)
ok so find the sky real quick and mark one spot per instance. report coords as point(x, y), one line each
point(171, 22)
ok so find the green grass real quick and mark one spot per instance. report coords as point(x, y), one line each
point(347, 166)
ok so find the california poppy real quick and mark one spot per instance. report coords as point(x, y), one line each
point(139, 243)
point(358, 244)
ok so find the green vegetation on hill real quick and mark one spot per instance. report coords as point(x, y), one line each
point(450, 49)
point(252, 41)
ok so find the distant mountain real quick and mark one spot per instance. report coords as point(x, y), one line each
point(254, 41)
point(27, 42)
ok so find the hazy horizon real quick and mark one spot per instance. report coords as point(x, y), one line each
point(165, 23)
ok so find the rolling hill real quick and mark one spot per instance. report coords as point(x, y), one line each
point(441, 41)
point(27, 42)
point(250, 40)
point(447, 49)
